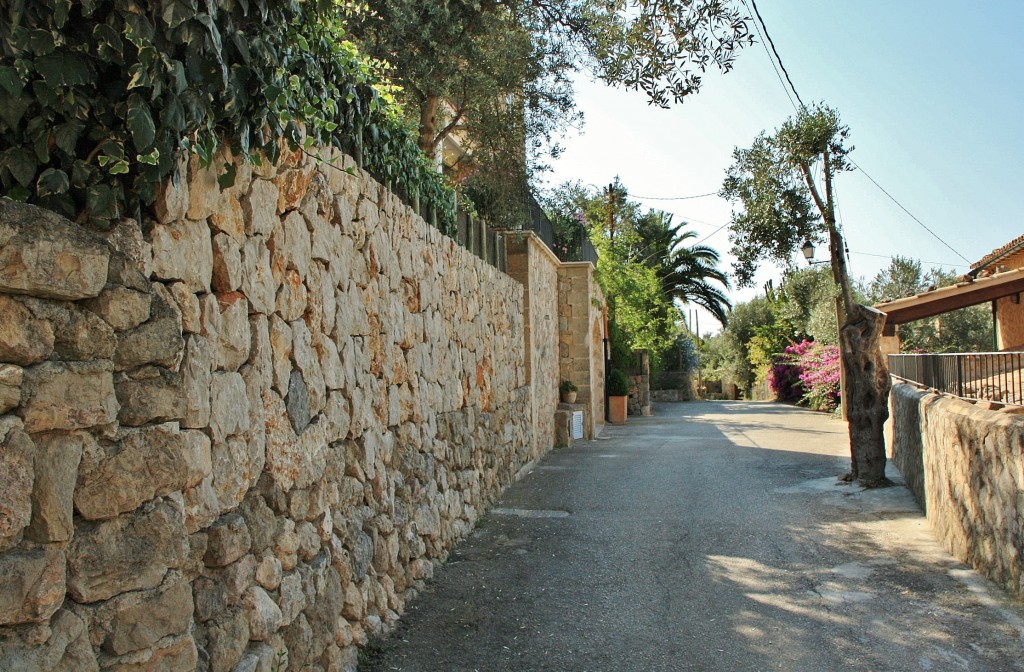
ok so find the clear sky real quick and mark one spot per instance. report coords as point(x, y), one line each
point(933, 93)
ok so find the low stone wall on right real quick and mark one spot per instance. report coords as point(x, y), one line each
point(965, 465)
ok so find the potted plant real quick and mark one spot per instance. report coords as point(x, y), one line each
point(568, 390)
point(618, 396)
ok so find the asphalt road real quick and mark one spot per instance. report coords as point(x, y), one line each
point(711, 536)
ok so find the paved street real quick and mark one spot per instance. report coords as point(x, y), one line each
point(711, 536)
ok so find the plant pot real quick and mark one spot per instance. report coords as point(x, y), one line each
point(617, 410)
point(569, 397)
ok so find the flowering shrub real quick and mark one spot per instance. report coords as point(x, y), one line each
point(807, 373)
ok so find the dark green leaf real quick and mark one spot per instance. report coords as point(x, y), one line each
point(140, 123)
point(41, 42)
point(10, 81)
point(66, 135)
point(21, 163)
point(52, 181)
point(226, 180)
point(63, 69)
point(176, 12)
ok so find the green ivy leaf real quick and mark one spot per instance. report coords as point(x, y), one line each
point(63, 69)
point(52, 181)
point(66, 135)
point(176, 12)
point(151, 159)
point(226, 180)
point(10, 81)
point(21, 163)
point(140, 123)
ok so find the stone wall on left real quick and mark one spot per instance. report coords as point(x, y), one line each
point(241, 435)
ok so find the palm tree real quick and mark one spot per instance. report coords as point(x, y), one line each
point(689, 273)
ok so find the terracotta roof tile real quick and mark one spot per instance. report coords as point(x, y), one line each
point(997, 254)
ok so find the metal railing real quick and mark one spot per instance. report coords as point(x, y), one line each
point(579, 250)
point(991, 376)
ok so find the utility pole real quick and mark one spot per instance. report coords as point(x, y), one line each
point(611, 213)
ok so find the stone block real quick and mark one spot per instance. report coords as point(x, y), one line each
point(32, 584)
point(79, 335)
point(263, 614)
point(227, 540)
point(233, 337)
point(182, 250)
point(130, 552)
point(120, 307)
point(150, 395)
point(197, 373)
point(17, 474)
point(229, 406)
point(24, 339)
point(11, 377)
point(259, 208)
point(158, 341)
point(148, 462)
point(229, 218)
point(139, 620)
point(258, 282)
point(56, 469)
point(44, 255)
point(67, 649)
point(227, 264)
point(68, 396)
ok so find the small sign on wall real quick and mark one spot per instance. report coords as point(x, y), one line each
point(577, 424)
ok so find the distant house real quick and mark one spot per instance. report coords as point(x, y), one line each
point(1008, 310)
point(997, 278)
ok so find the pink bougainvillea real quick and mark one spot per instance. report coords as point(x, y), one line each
point(807, 372)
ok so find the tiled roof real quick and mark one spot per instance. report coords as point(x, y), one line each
point(997, 254)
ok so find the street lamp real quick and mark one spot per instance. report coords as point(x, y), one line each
point(808, 250)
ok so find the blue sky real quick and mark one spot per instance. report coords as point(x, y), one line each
point(933, 93)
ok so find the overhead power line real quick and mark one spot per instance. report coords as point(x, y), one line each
point(886, 256)
point(673, 198)
point(792, 88)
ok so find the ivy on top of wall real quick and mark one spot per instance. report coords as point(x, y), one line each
point(99, 97)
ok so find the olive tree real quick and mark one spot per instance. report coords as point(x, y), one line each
point(784, 183)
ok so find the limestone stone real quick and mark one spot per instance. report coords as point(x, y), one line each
point(286, 546)
point(308, 362)
point(79, 335)
point(150, 395)
point(229, 406)
point(227, 637)
point(292, 297)
point(293, 185)
point(139, 620)
point(158, 341)
point(233, 338)
point(68, 396)
point(263, 614)
point(227, 264)
point(172, 197)
point(197, 378)
point(229, 218)
point(44, 255)
point(148, 462)
point(260, 208)
point(292, 240)
point(66, 649)
point(120, 307)
point(235, 469)
point(188, 306)
point(337, 417)
point(293, 599)
point(258, 282)
point(17, 473)
point(182, 250)
point(56, 469)
point(261, 356)
point(11, 377)
point(281, 345)
point(24, 339)
point(204, 193)
point(177, 654)
point(130, 552)
point(228, 540)
point(201, 505)
point(31, 584)
point(268, 572)
point(297, 403)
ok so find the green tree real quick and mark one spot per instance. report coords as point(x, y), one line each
point(727, 355)
point(784, 204)
point(498, 73)
point(964, 330)
point(807, 301)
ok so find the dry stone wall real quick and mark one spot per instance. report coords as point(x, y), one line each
point(965, 465)
point(241, 436)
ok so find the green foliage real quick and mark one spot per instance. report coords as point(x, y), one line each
point(770, 181)
point(618, 384)
point(567, 386)
point(100, 97)
point(807, 301)
point(965, 330)
point(768, 341)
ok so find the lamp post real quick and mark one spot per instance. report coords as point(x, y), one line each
point(808, 251)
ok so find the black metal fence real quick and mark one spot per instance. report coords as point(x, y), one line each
point(580, 249)
point(992, 376)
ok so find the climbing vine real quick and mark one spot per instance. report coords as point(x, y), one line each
point(99, 97)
